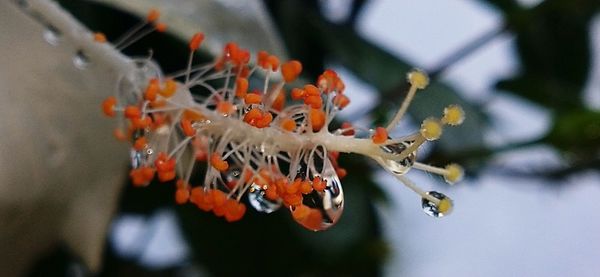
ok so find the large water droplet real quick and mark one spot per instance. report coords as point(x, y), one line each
point(52, 35)
point(259, 201)
point(402, 166)
point(442, 208)
point(81, 60)
point(329, 203)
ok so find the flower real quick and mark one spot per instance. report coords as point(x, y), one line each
point(254, 142)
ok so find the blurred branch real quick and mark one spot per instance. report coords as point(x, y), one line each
point(467, 49)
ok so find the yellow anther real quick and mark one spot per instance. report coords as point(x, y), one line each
point(444, 206)
point(453, 115)
point(418, 78)
point(454, 173)
point(431, 129)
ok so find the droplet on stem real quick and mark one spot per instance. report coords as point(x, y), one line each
point(441, 209)
point(402, 166)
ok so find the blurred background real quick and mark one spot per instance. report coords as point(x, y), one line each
point(527, 72)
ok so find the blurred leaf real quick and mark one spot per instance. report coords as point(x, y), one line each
point(577, 131)
point(554, 47)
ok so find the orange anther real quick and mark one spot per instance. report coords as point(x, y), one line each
point(218, 163)
point(313, 221)
point(193, 115)
point(152, 89)
point(300, 212)
point(163, 163)
point(312, 90)
point(279, 102)
point(230, 51)
point(241, 87)
point(241, 59)
point(186, 127)
point(153, 15)
point(288, 124)
point(380, 135)
point(141, 122)
point(182, 195)
point(318, 184)
point(272, 62)
point(165, 176)
point(315, 102)
point(329, 81)
point(265, 120)
point(317, 119)
point(341, 172)
point(341, 101)
point(234, 210)
point(132, 112)
point(99, 37)
point(252, 116)
point(292, 199)
point(225, 108)
point(252, 98)
point(196, 41)
point(141, 176)
point(271, 193)
point(349, 130)
point(202, 198)
point(290, 70)
point(306, 187)
point(160, 27)
point(294, 186)
point(140, 144)
point(298, 94)
point(218, 197)
point(170, 87)
point(108, 106)
point(119, 134)
point(262, 59)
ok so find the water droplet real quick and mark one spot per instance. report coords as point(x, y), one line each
point(140, 158)
point(330, 202)
point(81, 60)
point(52, 35)
point(402, 166)
point(259, 201)
point(443, 208)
